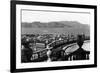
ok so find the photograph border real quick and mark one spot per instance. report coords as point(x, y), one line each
point(13, 35)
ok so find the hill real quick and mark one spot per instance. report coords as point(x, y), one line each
point(55, 27)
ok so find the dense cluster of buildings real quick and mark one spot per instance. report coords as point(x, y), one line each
point(37, 43)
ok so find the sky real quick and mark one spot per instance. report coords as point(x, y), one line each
point(49, 16)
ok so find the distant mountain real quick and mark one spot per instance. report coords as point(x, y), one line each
point(44, 25)
point(55, 27)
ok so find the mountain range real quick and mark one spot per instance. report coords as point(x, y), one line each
point(55, 27)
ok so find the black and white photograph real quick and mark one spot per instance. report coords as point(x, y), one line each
point(54, 35)
point(49, 36)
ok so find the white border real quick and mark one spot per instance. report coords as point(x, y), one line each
point(20, 65)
